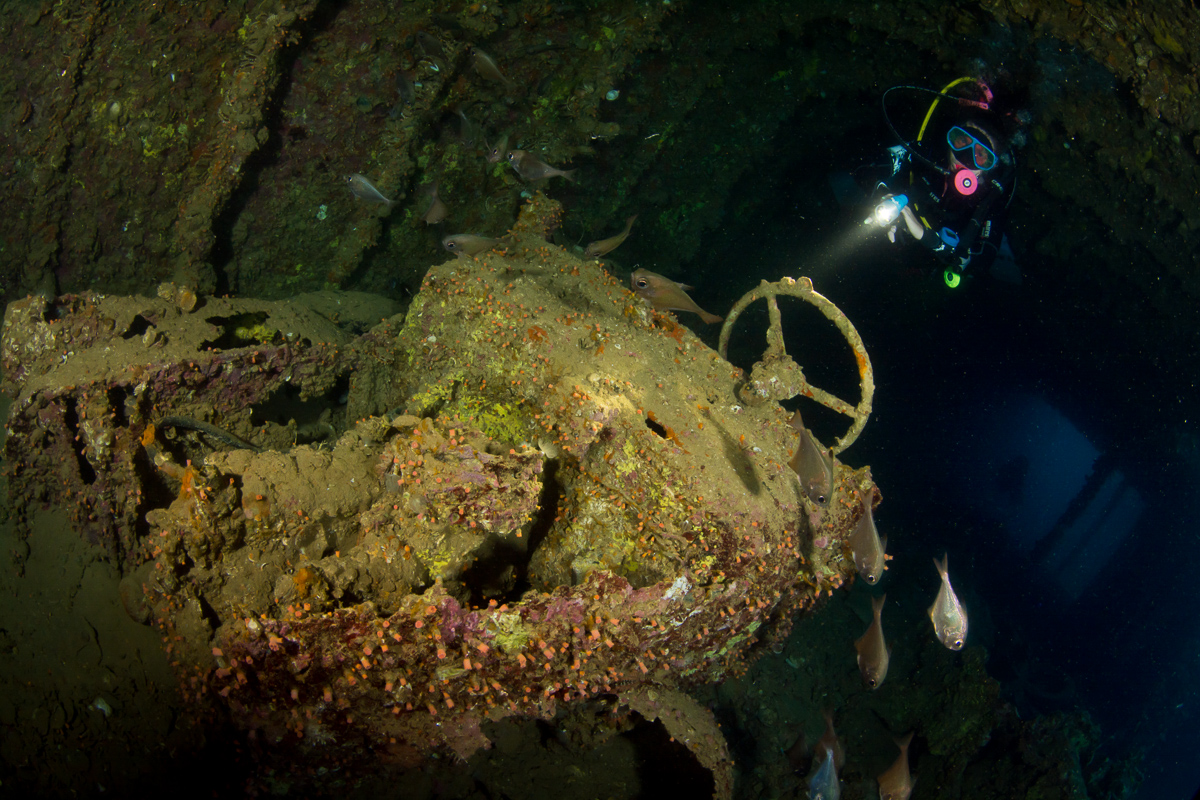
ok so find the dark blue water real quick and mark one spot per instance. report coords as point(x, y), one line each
point(1068, 510)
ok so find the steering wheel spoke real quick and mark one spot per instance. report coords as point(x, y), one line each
point(778, 377)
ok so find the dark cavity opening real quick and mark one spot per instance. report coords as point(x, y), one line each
point(241, 330)
point(659, 429)
point(87, 473)
point(502, 574)
point(317, 418)
point(137, 327)
point(665, 765)
point(116, 398)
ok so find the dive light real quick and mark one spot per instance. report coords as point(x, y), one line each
point(888, 211)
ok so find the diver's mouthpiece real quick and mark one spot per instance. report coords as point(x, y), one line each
point(965, 182)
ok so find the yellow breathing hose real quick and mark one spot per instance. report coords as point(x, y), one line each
point(933, 105)
point(929, 116)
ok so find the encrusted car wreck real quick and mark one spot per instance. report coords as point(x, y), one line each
point(366, 535)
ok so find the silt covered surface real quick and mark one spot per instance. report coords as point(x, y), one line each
point(206, 144)
point(535, 495)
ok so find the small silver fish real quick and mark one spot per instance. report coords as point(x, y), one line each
point(437, 209)
point(872, 649)
point(498, 151)
point(824, 784)
point(813, 465)
point(897, 783)
point(363, 189)
point(486, 66)
point(948, 615)
point(431, 47)
point(468, 131)
point(830, 741)
point(530, 168)
point(405, 88)
point(868, 548)
point(468, 244)
point(605, 246)
point(665, 294)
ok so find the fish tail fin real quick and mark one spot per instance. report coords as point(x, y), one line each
point(941, 565)
point(710, 318)
point(569, 174)
point(904, 741)
point(877, 604)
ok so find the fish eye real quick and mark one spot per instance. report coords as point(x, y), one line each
point(451, 245)
point(957, 645)
point(641, 283)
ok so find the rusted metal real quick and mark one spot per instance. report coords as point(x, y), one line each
point(778, 377)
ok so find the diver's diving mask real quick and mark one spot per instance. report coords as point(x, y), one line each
point(959, 140)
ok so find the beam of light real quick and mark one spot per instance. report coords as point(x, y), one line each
point(838, 253)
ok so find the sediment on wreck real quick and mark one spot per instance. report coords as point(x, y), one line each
point(555, 500)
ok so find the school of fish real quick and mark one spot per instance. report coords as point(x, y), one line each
point(816, 470)
point(432, 208)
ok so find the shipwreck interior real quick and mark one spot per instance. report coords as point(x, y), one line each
point(341, 455)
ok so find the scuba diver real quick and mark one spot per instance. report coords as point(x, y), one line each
point(952, 199)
